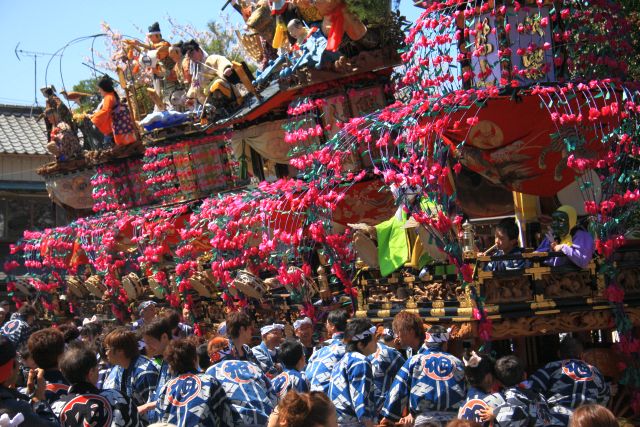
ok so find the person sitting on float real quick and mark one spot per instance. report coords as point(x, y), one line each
point(506, 236)
point(569, 238)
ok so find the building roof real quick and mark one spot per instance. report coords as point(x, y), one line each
point(20, 132)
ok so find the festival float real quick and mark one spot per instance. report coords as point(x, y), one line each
point(328, 180)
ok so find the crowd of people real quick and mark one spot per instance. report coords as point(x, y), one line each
point(157, 371)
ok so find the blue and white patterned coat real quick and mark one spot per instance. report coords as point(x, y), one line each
point(521, 407)
point(16, 329)
point(249, 390)
point(289, 379)
point(193, 399)
point(266, 358)
point(351, 389)
point(567, 384)
point(473, 405)
point(85, 405)
point(163, 377)
point(385, 364)
point(428, 383)
point(137, 382)
point(321, 364)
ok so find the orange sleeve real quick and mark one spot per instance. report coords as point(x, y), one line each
point(102, 117)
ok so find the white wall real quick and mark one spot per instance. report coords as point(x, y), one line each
point(15, 167)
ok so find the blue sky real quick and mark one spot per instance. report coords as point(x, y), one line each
point(41, 26)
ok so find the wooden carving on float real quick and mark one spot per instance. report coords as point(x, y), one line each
point(507, 290)
point(557, 323)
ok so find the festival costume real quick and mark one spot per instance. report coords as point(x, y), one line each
point(248, 355)
point(16, 329)
point(267, 358)
point(473, 405)
point(567, 384)
point(194, 400)
point(163, 377)
point(39, 414)
point(351, 390)
point(578, 247)
point(430, 384)
point(289, 379)
point(579, 252)
point(66, 141)
point(249, 390)
point(336, 338)
point(85, 405)
point(509, 264)
point(385, 364)
point(56, 385)
point(521, 407)
point(137, 381)
point(102, 117)
point(321, 364)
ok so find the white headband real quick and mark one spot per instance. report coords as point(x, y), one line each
point(362, 335)
point(86, 321)
point(268, 328)
point(300, 322)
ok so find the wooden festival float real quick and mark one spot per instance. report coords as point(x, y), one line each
point(277, 199)
point(160, 227)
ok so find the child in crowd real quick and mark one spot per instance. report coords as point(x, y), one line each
point(291, 378)
point(478, 371)
point(516, 405)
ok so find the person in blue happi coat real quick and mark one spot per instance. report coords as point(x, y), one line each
point(157, 336)
point(385, 364)
point(351, 387)
point(291, 378)
point(191, 398)
point(506, 240)
point(570, 382)
point(517, 404)
point(131, 374)
point(429, 387)
point(267, 352)
point(246, 386)
point(478, 371)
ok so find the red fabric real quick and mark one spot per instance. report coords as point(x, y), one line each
point(337, 29)
point(5, 370)
point(511, 145)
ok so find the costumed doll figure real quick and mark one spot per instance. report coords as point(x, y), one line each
point(53, 102)
point(569, 238)
point(63, 142)
point(193, 68)
point(394, 245)
point(156, 57)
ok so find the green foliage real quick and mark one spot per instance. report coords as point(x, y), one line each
point(224, 42)
point(372, 12)
point(88, 103)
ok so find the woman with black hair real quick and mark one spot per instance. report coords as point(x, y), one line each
point(351, 387)
point(478, 371)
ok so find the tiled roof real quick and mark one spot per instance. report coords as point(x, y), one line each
point(20, 133)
